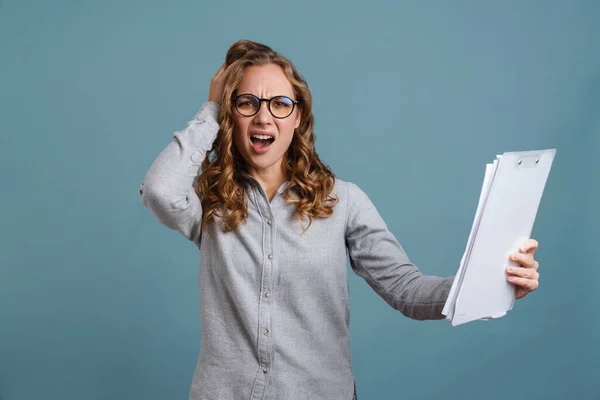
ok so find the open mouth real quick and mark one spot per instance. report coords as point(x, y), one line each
point(260, 143)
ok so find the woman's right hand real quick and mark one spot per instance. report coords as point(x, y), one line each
point(217, 84)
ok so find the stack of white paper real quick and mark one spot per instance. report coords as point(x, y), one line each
point(510, 195)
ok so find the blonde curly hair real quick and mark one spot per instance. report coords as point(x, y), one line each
point(221, 184)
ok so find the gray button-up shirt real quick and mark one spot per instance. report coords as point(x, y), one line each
point(274, 301)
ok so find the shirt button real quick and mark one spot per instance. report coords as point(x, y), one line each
point(270, 256)
point(267, 294)
point(268, 222)
point(264, 371)
point(266, 331)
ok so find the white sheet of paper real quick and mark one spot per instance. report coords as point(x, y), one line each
point(510, 195)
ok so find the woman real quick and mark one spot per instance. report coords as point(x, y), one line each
point(274, 227)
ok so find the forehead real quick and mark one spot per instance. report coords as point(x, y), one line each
point(265, 81)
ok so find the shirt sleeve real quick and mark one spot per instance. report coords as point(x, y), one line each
point(168, 189)
point(376, 256)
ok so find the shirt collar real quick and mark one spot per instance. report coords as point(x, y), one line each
point(248, 180)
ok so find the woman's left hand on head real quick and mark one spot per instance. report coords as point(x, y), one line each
point(526, 276)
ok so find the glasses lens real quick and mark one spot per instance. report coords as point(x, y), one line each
point(247, 105)
point(281, 106)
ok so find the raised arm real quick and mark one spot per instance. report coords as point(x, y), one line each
point(168, 188)
point(376, 256)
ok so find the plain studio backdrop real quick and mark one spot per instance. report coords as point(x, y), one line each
point(411, 100)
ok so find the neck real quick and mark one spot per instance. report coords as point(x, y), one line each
point(270, 178)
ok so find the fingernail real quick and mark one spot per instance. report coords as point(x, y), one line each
point(510, 269)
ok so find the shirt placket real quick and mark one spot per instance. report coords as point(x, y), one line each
point(265, 299)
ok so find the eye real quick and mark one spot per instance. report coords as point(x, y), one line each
point(282, 102)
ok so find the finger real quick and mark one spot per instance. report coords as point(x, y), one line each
point(526, 260)
point(223, 73)
point(521, 292)
point(523, 272)
point(530, 246)
point(221, 69)
point(229, 67)
point(529, 284)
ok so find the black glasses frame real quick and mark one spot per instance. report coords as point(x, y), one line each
point(260, 101)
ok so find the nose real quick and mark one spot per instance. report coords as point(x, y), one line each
point(264, 115)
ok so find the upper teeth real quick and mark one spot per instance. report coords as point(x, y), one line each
point(262, 136)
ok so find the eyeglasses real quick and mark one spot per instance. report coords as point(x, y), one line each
point(279, 106)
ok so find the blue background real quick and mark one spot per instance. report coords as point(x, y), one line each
point(411, 100)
